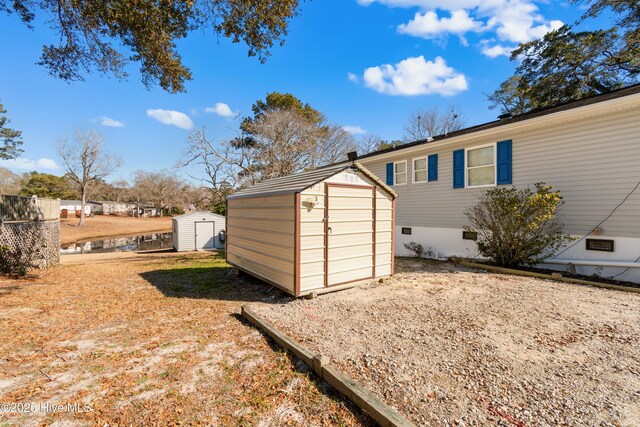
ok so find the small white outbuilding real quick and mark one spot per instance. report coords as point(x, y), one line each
point(198, 230)
point(317, 231)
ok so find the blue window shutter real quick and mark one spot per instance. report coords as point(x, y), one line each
point(389, 173)
point(458, 169)
point(504, 162)
point(433, 167)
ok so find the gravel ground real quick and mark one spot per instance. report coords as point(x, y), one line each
point(447, 345)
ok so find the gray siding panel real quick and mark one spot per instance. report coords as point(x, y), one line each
point(594, 162)
point(185, 226)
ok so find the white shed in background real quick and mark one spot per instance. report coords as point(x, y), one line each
point(198, 230)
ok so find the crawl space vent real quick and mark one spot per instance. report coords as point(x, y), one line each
point(469, 235)
point(406, 230)
point(600, 245)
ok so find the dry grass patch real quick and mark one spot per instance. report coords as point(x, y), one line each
point(152, 340)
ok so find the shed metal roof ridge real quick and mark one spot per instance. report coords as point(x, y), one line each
point(297, 183)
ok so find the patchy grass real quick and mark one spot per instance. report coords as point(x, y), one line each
point(152, 340)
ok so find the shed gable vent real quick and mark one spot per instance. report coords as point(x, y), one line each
point(600, 245)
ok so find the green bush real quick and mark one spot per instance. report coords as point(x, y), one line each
point(517, 226)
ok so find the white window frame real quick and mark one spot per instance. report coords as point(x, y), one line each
point(413, 169)
point(405, 172)
point(495, 166)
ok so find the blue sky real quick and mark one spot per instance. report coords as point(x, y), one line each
point(366, 64)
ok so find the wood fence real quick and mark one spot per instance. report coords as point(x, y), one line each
point(17, 208)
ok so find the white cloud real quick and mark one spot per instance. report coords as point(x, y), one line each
point(24, 164)
point(220, 109)
point(353, 78)
point(171, 117)
point(496, 50)
point(513, 21)
point(415, 76)
point(428, 25)
point(354, 130)
point(107, 121)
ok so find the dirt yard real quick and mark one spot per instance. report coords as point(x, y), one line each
point(107, 225)
point(452, 346)
point(150, 339)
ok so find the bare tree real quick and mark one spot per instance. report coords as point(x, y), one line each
point(425, 123)
point(86, 162)
point(369, 143)
point(333, 145)
point(164, 188)
point(225, 165)
point(283, 142)
point(278, 142)
point(10, 183)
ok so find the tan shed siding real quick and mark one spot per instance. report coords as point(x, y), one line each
point(350, 253)
point(260, 234)
point(384, 230)
point(592, 161)
point(312, 238)
point(312, 254)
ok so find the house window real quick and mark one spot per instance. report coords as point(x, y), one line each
point(481, 166)
point(400, 173)
point(420, 170)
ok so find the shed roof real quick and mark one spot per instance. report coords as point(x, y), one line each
point(197, 213)
point(298, 182)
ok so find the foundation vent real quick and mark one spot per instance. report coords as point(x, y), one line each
point(600, 245)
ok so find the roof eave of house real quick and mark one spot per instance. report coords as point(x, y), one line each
point(506, 125)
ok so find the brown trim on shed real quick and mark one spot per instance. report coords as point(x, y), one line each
point(343, 185)
point(393, 236)
point(375, 196)
point(296, 254)
point(352, 281)
point(326, 235)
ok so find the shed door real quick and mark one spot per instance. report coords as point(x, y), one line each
point(205, 235)
point(349, 233)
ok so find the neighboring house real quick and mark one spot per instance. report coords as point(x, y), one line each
point(68, 208)
point(587, 149)
point(117, 208)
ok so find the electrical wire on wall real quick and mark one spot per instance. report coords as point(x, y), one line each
point(598, 226)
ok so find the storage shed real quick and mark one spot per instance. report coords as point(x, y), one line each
point(198, 230)
point(316, 231)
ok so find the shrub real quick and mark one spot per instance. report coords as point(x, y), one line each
point(517, 226)
point(19, 260)
point(416, 248)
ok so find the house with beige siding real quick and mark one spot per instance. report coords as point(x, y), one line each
point(588, 149)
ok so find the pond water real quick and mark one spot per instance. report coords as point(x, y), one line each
point(143, 242)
